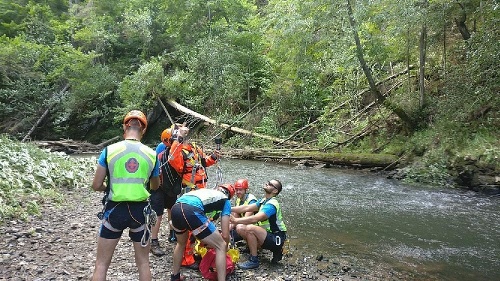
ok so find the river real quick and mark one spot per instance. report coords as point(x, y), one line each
point(426, 232)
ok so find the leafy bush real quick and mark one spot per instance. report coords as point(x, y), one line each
point(31, 176)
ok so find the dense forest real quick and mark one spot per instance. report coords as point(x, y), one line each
point(416, 79)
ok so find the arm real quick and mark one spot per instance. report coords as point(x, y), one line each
point(212, 158)
point(154, 180)
point(154, 183)
point(245, 208)
point(176, 159)
point(247, 214)
point(98, 181)
point(224, 221)
point(260, 216)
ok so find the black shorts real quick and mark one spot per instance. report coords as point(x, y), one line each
point(160, 201)
point(186, 217)
point(274, 241)
point(121, 215)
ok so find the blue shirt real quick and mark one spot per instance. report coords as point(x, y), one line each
point(267, 209)
point(160, 147)
point(208, 200)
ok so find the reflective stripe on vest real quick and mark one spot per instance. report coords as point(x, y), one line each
point(275, 222)
point(130, 164)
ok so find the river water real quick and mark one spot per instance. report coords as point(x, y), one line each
point(425, 232)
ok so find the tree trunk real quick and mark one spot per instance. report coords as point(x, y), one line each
point(460, 22)
point(359, 52)
point(421, 79)
point(45, 113)
point(315, 158)
point(226, 126)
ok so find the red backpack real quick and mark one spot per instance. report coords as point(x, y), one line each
point(208, 268)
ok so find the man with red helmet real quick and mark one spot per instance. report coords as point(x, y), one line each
point(243, 197)
point(128, 166)
point(265, 229)
point(193, 212)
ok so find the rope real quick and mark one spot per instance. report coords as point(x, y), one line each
point(218, 175)
point(218, 171)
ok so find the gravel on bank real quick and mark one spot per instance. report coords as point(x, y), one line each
point(61, 245)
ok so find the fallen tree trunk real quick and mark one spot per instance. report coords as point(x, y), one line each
point(45, 113)
point(306, 157)
point(68, 146)
point(316, 157)
point(226, 126)
point(28, 135)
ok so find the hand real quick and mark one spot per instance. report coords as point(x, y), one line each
point(216, 155)
point(232, 219)
point(183, 131)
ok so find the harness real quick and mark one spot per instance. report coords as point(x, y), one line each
point(196, 231)
point(150, 215)
point(193, 158)
point(150, 220)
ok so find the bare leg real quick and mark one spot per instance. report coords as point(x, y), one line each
point(169, 214)
point(142, 261)
point(254, 235)
point(105, 250)
point(216, 241)
point(179, 251)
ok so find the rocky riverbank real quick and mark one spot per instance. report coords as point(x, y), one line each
point(61, 245)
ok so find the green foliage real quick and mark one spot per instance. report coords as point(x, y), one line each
point(30, 176)
point(139, 89)
point(295, 59)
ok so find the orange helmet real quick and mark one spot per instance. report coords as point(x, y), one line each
point(166, 135)
point(241, 183)
point(230, 189)
point(136, 114)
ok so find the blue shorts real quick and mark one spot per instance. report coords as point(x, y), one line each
point(121, 215)
point(161, 200)
point(187, 217)
point(274, 241)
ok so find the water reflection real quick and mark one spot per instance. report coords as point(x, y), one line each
point(433, 233)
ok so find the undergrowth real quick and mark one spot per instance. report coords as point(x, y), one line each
point(31, 176)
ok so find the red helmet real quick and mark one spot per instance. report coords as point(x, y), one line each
point(241, 183)
point(166, 135)
point(136, 114)
point(230, 188)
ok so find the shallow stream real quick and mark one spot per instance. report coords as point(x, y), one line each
point(426, 232)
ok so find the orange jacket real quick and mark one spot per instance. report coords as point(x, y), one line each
point(184, 157)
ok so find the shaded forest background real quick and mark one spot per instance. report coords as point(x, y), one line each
point(416, 79)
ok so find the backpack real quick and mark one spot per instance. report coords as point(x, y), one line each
point(208, 268)
point(171, 181)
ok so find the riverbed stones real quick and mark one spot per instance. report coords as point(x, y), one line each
point(61, 245)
